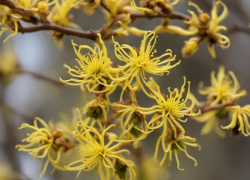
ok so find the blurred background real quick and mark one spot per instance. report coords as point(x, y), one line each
point(27, 96)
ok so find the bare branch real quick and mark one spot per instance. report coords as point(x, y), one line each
point(218, 106)
point(173, 15)
point(237, 28)
point(42, 77)
point(68, 31)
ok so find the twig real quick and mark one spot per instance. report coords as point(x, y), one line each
point(237, 28)
point(173, 15)
point(218, 106)
point(40, 76)
point(64, 30)
point(24, 116)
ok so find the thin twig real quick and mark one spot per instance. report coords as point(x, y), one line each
point(218, 106)
point(173, 15)
point(64, 30)
point(40, 76)
point(237, 28)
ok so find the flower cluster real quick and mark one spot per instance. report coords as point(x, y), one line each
point(222, 97)
point(97, 73)
point(103, 79)
point(90, 129)
point(130, 70)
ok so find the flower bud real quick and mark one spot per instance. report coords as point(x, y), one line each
point(204, 18)
point(191, 46)
point(95, 112)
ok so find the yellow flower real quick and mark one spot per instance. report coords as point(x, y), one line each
point(212, 120)
point(173, 146)
point(133, 122)
point(224, 88)
point(209, 27)
point(239, 119)
point(169, 109)
point(96, 152)
point(142, 62)
point(45, 141)
point(94, 69)
point(60, 13)
point(89, 6)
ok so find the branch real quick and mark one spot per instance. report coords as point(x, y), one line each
point(68, 31)
point(206, 106)
point(173, 15)
point(20, 114)
point(40, 76)
point(237, 28)
point(218, 106)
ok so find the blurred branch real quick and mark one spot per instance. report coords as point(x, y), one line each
point(237, 28)
point(40, 76)
point(205, 108)
point(10, 139)
point(9, 108)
